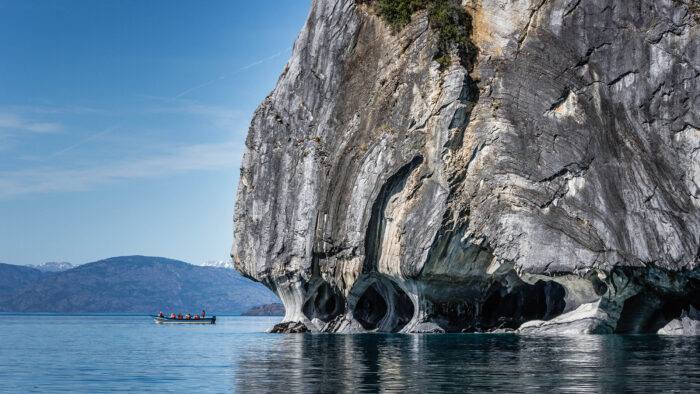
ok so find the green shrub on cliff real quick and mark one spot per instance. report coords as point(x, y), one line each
point(398, 12)
point(453, 25)
point(451, 22)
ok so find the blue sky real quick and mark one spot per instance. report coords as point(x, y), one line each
point(122, 123)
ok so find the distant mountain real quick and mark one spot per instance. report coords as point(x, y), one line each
point(136, 284)
point(53, 266)
point(274, 309)
point(16, 276)
point(228, 264)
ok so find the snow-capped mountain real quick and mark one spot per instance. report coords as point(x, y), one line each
point(228, 264)
point(53, 266)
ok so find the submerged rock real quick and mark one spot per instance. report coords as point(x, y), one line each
point(289, 328)
point(554, 184)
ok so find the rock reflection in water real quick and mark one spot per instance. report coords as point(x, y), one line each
point(454, 362)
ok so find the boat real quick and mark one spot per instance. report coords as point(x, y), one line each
point(206, 320)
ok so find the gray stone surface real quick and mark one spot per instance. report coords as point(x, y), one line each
point(380, 193)
point(687, 324)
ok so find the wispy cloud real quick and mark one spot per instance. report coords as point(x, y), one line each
point(15, 122)
point(214, 113)
point(82, 142)
point(261, 61)
point(44, 178)
point(226, 75)
point(192, 89)
point(53, 109)
point(201, 157)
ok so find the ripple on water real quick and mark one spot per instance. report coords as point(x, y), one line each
point(104, 353)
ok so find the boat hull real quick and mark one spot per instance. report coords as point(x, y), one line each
point(167, 320)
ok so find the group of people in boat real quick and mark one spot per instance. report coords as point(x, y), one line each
point(186, 317)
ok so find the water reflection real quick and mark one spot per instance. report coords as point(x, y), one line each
point(447, 362)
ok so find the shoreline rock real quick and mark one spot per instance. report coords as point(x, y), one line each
point(289, 328)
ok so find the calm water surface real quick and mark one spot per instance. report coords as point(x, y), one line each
point(93, 353)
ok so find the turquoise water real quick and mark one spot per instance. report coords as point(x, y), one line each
point(97, 353)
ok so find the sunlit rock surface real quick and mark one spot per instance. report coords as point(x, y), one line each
point(556, 183)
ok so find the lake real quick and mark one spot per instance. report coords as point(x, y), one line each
point(97, 353)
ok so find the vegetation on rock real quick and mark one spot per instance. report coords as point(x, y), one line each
point(451, 22)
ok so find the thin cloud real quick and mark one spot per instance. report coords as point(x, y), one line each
point(201, 157)
point(261, 61)
point(192, 89)
point(42, 127)
point(226, 75)
point(83, 141)
point(13, 122)
point(213, 112)
point(53, 110)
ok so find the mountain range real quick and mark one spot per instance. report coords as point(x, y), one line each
point(274, 309)
point(129, 284)
point(16, 276)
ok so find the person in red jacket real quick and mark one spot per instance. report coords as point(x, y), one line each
point(172, 315)
point(179, 316)
point(203, 313)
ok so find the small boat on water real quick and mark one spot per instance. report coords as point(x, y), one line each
point(207, 320)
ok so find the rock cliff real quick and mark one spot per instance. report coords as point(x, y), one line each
point(552, 186)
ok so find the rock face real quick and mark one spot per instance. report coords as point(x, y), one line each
point(687, 324)
point(556, 183)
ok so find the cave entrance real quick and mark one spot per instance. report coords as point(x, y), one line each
point(454, 315)
point(384, 306)
point(325, 303)
point(509, 309)
point(371, 308)
point(649, 311)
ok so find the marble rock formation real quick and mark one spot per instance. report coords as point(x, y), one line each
point(553, 186)
point(687, 324)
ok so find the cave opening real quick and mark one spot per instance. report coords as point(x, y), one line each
point(403, 307)
point(454, 315)
point(371, 308)
point(325, 304)
point(649, 311)
point(503, 307)
point(506, 308)
point(384, 306)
